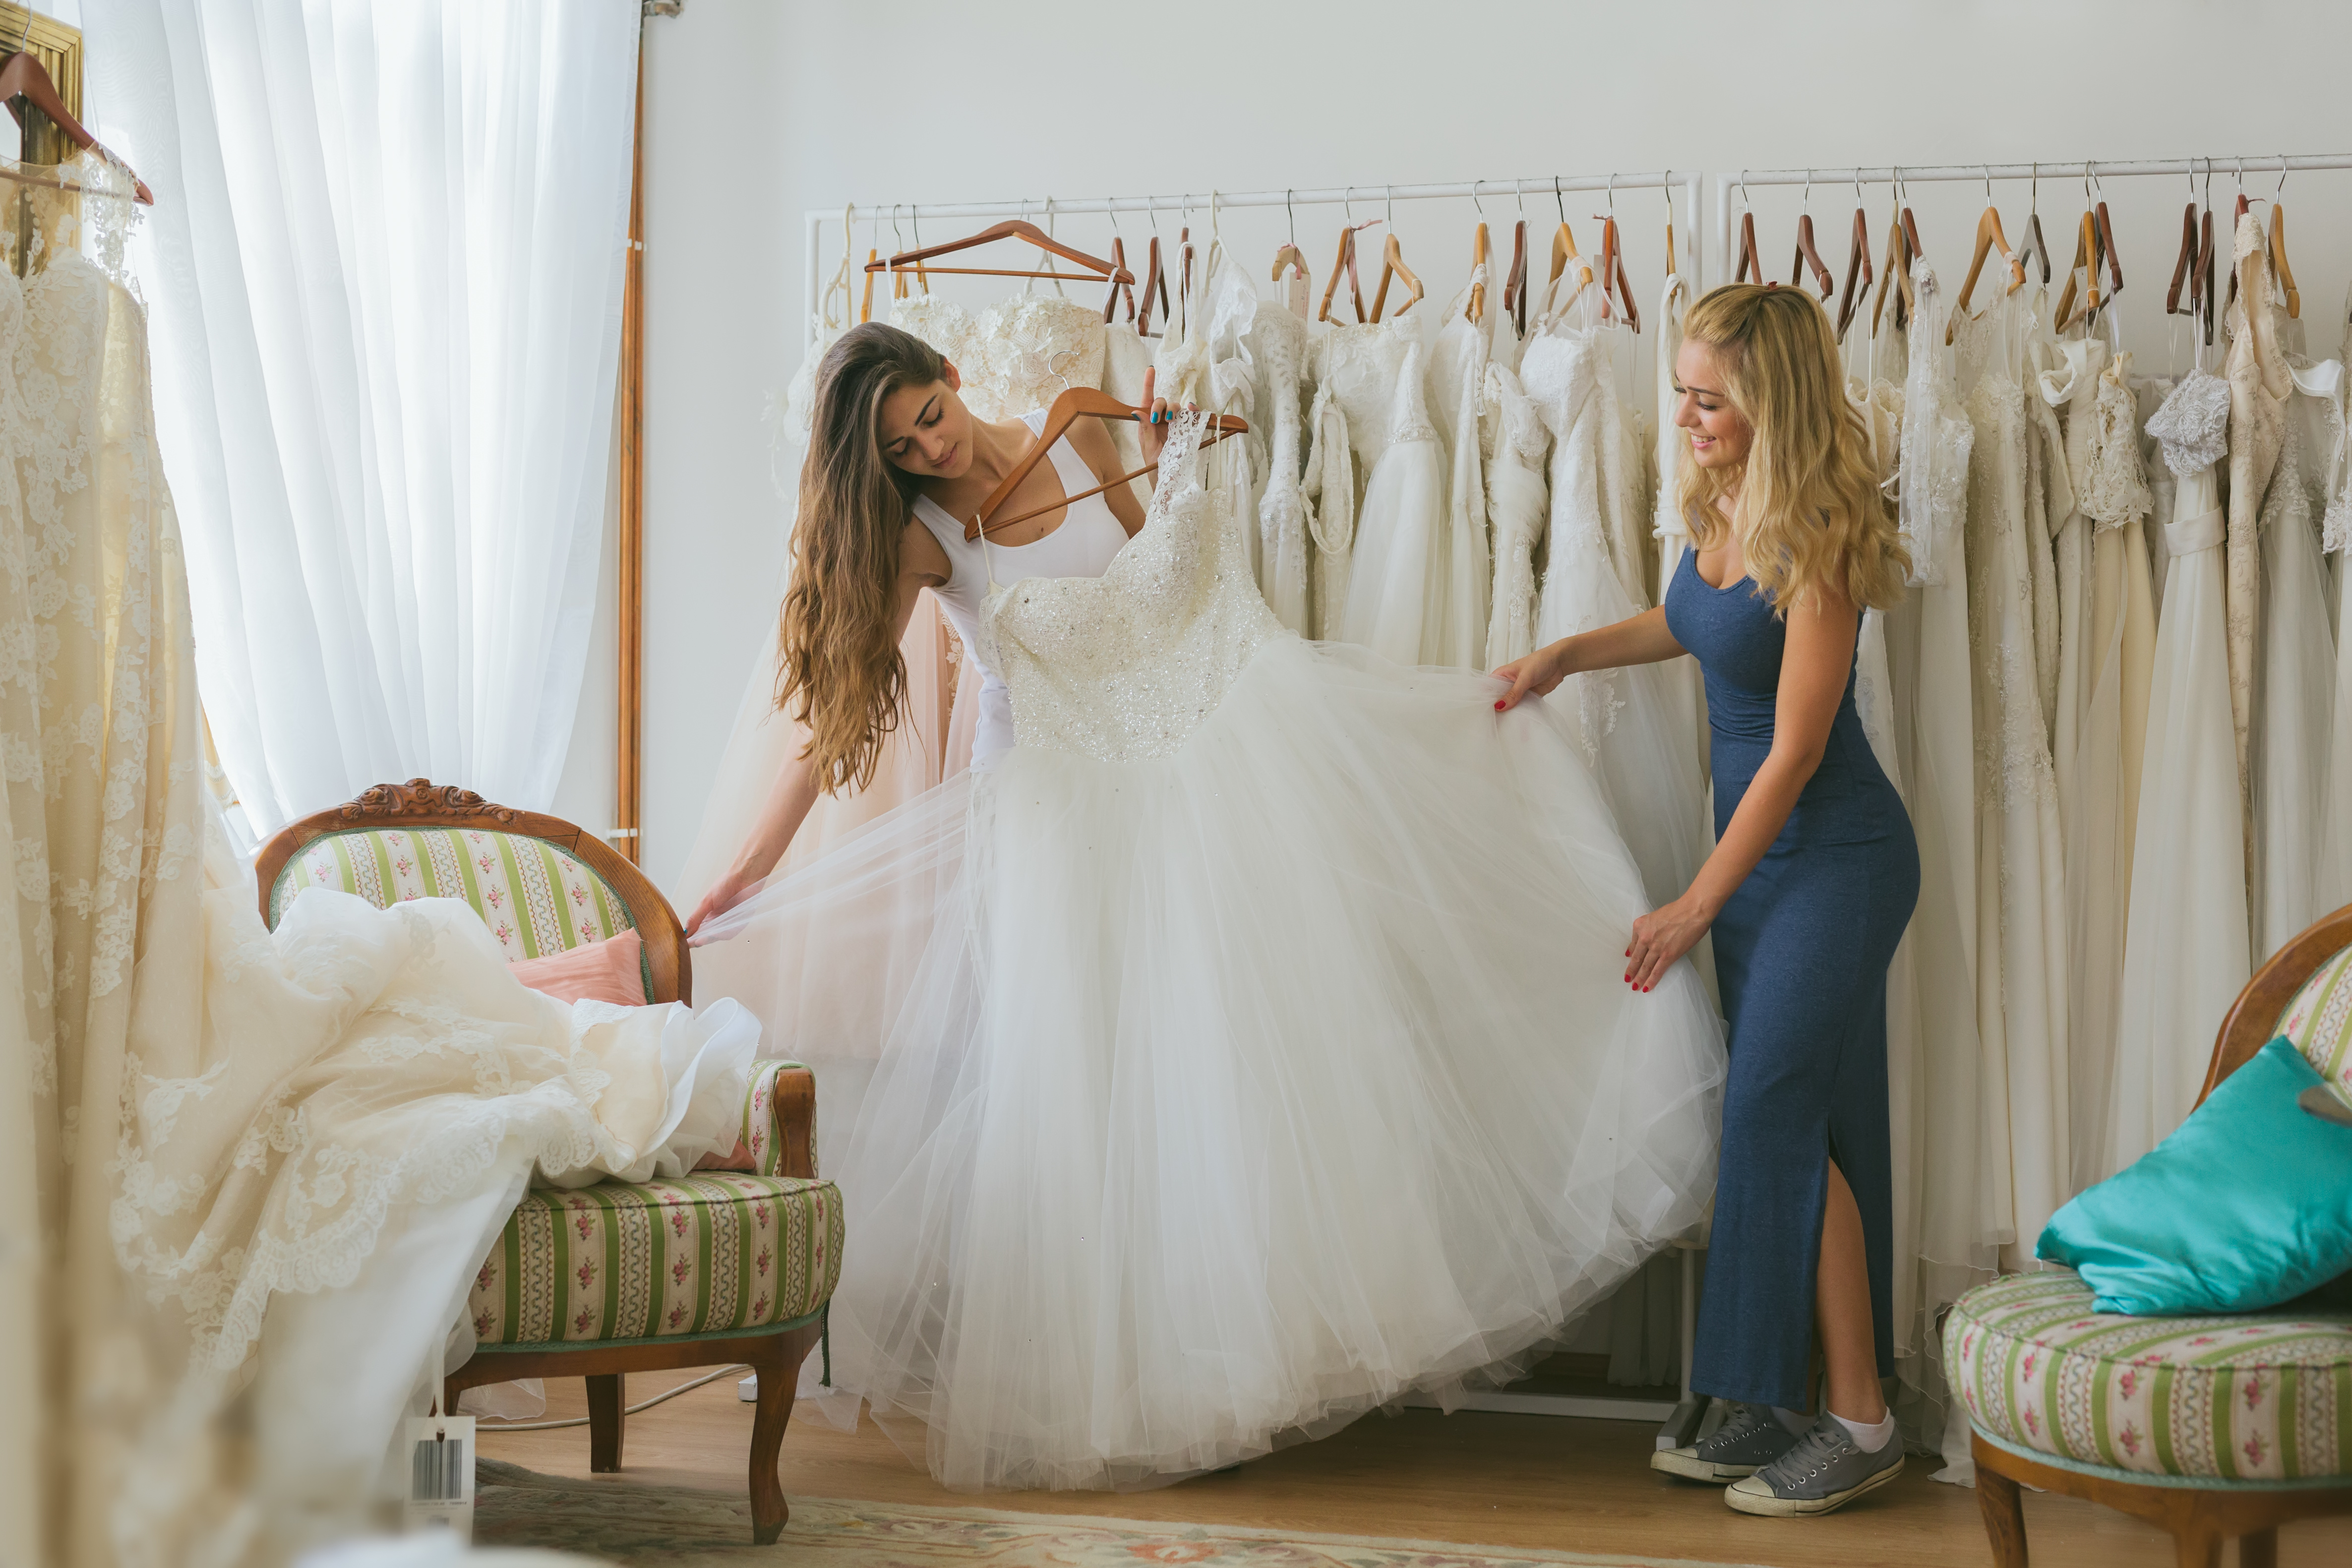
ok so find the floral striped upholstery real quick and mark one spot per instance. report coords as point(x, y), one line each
point(2318, 1022)
point(535, 899)
point(714, 1252)
point(2250, 1398)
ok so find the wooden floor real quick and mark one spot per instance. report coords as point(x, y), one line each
point(1499, 1480)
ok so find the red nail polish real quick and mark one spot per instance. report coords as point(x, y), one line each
point(1498, 705)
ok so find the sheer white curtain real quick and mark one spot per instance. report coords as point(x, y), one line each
point(383, 277)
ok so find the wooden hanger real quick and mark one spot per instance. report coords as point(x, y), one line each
point(1563, 249)
point(1110, 296)
point(23, 76)
point(2278, 261)
point(1515, 286)
point(2106, 247)
point(2183, 263)
point(2084, 265)
point(1477, 310)
point(1612, 266)
point(1750, 258)
point(1393, 265)
point(1077, 402)
point(866, 306)
point(1806, 255)
point(1857, 266)
point(1344, 262)
point(2237, 211)
point(1902, 250)
point(1988, 235)
point(1155, 286)
point(1012, 228)
point(1184, 272)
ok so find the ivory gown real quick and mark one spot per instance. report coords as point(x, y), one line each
point(2022, 998)
point(2185, 949)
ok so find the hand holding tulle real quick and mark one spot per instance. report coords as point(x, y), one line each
point(1540, 673)
point(724, 895)
point(1662, 936)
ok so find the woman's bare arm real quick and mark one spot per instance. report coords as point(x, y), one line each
point(793, 795)
point(1814, 666)
point(1638, 640)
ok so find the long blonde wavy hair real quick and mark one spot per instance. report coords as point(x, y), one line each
point(1810, 512)
point(839, 672)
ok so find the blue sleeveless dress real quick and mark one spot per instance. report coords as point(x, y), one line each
point(1801, 952)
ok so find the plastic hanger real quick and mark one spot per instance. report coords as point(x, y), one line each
point(1857, 262)
point(1988, 235)
point(1393, 265)
point(1750, 258)
point(1288, 254)
point(23, 76)
point(1807, 256)
point(1345, 262)
point(1067, 409)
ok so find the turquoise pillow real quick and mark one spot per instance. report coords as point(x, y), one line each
point(2247, 1205)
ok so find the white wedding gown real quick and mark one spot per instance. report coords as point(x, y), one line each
point(2185, 947)
point(1400, 601)
point(1266, 1056)
point(1638, 725)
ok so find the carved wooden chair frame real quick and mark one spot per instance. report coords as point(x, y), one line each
point(776, 1352)
point(2197, 1514)
point(421, 803)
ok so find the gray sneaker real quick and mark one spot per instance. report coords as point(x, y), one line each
point(1822, 1473)
point(1748, 1440)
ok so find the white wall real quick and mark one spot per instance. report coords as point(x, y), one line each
point(757, 111)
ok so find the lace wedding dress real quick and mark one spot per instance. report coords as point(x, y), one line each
point(265, 1166)
point(2294, 695)
point(1951, 1217)
point(1458, 364)
point(1400, 602)
point(2185, 947)
point(1638, 724)
point(2260, 384)
point(1267, 1056)
point(1515, 447)
point(2021, 977)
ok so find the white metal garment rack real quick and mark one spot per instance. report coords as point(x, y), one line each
point(2232, 164)
point(1041, 210)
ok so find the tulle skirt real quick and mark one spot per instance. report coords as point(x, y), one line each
point(1204, 1102)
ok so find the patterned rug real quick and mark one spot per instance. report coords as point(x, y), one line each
point(642, 1527)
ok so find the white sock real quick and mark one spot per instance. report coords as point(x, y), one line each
point(1869, 1437)
point(1796, 1421)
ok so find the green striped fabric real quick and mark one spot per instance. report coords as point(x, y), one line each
point(535, 899)
point(713, 1252)
point(2318, 1022)
point(2258, 1396)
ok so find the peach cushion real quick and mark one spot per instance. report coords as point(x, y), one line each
point(607, 970)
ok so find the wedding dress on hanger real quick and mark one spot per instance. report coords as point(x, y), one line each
point(1401, 598)
point(1458, 363)
point(2260, 384)
point(2335, 850)
point(2021, 978)
point(1951, 1217)
point(1515, 445)
point(1278, 340)
point(296, 1146)
point(2294, 695)
point(2186, 954)
point(1636, 723)
point(1268, 1055)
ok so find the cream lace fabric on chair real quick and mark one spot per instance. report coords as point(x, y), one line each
point(261, 1169)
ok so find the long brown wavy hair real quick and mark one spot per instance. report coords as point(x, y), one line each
point(839, 672)
point(1810, 512)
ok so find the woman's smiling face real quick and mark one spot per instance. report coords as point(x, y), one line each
point(1719, 434)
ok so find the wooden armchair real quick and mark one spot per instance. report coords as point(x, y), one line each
point(716, 1268)
point(2209, 1426)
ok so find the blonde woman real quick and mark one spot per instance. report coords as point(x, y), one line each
point(1807, 892)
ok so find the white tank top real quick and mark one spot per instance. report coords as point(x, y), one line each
point(1081, 545)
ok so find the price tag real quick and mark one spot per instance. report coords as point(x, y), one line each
point(441, 1474)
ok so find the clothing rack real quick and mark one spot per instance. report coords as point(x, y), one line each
point(2233, 164)
point(1044, 209)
